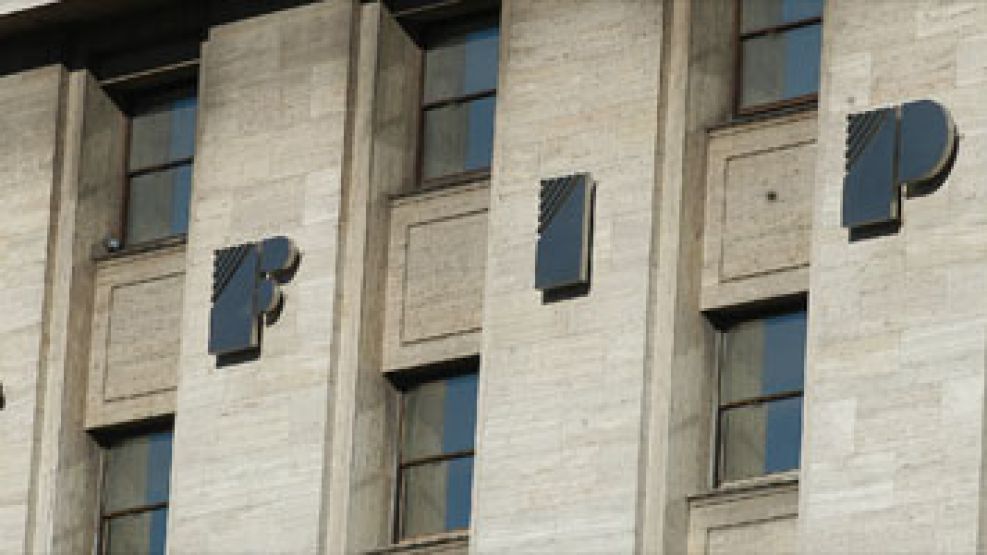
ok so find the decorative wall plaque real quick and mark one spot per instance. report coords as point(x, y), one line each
point(887, 148)
point(246, 289)
point(564, 224)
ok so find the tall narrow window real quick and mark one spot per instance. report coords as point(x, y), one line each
point(459, 100)
point(136, 481)
point(780, 43)
point(159, 164)
point(762, 365)
point(436, 468)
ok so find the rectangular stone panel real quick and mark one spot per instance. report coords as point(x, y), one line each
point(435, 276)
point(759, 188)
point(136, 337)
point(143, 343)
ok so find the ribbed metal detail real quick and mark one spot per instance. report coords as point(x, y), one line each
point(225, 264)
point(860, 130)
point(553, 194)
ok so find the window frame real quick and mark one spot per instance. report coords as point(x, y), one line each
point(722, 327)
point(802, 102)
point(173, 84)
point(428, 38)
point(106, 442)
point(405, 383)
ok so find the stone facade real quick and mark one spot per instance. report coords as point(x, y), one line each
point(595, 422)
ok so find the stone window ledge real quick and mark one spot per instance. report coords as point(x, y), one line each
point(164, 244)
point(753, 487)
point(426, 544)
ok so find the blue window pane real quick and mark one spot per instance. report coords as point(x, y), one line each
point(781, 66)
point(763, 357)
point(459, 430)
point(759, 14)
point(760, 439)
point(158, 204)
point(462, 64)
point(440, 417)
point(436, 497)
point(138, 472)
point(162, 130)
point(459, 137)
point(137, 534)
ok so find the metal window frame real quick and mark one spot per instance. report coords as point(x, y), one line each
point(464, 367)
point(466, 176)
point(716, 470)
point(178, 84)
point(786, 104)
point(107, 439)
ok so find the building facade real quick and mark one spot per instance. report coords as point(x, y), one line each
point(492, 276)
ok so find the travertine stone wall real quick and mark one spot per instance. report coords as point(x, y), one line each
point(250, 448)
point(751, 519)
point(559, 423)
point(29, 111)
point(893, 441)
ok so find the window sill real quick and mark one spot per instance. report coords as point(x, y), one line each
point(101, 254)
point(445, 539)
point(796, 111)
point(434, 192)
point(751, 487)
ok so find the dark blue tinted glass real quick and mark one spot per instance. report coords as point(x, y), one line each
point(763, 357)
point(462, 64)
point(460, 414)
point(158, 204)
point(760, 439)
point(142, 533)
point(162, 129)
point(440, 417)
point(783, 435)
point(459, 137)
point(870, 194)
point(436, 497)
point(781, 66)
point(459, 489)
point(760, 14)
point(138, 472)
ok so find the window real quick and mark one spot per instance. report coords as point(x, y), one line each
point(435, 479)
point(762, 365)
point(159, 163)
point(459, 99)
point(779, 50)
point(136, 480)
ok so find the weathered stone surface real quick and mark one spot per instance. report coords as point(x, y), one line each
point(250, 438)
point(29, 103)
point(559, 424)
point(893, 441)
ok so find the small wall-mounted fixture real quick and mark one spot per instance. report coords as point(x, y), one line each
point(565, 218)
point(910, 145)
point(246, 288)
point(112, 244)
point(3, 398)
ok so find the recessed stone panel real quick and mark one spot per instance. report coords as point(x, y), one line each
point(435, 276)
point(142, 346)
point(759, 186)
point(136, 337)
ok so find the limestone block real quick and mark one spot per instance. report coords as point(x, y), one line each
point(436, 264)
point(759, 186)
point(136, 334)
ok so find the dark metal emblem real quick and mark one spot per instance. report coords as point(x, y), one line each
point(246, 289)
point(564, 226)
point(911, 146)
